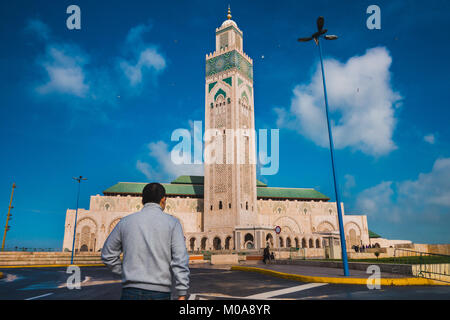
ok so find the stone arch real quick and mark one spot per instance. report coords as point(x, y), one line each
point(297, 243)
point(248, 241)
point(220, 92)
point(325, 226)
point(311, 243)
point(228, 242)
point(86, 235)
point(113, 224)
point(217, 243)
point(317, 243)
point(304, 243)
point(281, 244)
point(269, 240)
point(288, 223)
point(192, 243)
point(204, 243)
point(288, 242)
point(352, 234)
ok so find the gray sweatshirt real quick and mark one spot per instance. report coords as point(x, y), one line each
point(153, 245)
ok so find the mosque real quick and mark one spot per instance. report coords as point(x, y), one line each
point(227, 208)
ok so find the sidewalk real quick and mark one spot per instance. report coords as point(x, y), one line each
point(334, 275)
point(322, 272)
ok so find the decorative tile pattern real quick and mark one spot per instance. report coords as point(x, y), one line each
point(228, 81)
point(219, 92)
point(211, 85)
point(227, 61)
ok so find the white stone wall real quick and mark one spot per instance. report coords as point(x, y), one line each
point(298, 226)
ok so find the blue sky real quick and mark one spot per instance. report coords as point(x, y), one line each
point(103, 101)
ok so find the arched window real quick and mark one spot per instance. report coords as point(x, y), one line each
point(317, 243)
point(220, 205)
point(246, 205)
point(288, 242)
point(303, 243)
point(311, 243)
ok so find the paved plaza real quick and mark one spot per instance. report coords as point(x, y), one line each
point(207, 283)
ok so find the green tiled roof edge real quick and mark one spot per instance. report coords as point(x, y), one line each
point(373, 235)
point(198, 190)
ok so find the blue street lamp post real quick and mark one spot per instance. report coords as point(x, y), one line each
point(321, 33)
point(79, 179)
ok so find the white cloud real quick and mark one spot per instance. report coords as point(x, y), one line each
point(149, 60)
point(165, 168)
point(69, 72)
point(143, 58)
point(361, 101)
point(430, 138)
point(64, 66)
point(426, 199)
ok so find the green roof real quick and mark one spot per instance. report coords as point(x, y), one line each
point(134, 188)
point(193, 186)
point(201, 179)
point(189, 180)
point(290, 193)
point(373, 235)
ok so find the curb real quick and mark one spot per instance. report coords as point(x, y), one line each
point(53, 265)
point(334, 280)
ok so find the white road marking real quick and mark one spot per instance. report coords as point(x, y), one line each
point(270, 294)
point(41, 296)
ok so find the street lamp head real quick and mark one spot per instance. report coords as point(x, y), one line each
point(330, 37)
point(320, 32)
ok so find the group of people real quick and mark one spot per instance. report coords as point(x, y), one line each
point(362, 248)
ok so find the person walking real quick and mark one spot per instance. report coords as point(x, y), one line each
point(153, 247)
point(266, 254)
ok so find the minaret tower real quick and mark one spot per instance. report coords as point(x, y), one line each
point(230, 181)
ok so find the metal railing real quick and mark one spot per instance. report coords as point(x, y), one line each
point(424, 264)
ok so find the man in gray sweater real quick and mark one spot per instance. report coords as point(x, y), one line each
point(153, 249)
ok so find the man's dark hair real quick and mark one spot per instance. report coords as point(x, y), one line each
point(153, 192)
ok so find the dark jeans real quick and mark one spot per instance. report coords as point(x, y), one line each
point(141, 294)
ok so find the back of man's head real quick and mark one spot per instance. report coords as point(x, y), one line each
point(153, 192)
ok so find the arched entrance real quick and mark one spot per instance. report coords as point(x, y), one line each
point(227, 243)
point(269, 240)
point(203, 243)
point(248, 241)
point(217, 243)
point(192, 244)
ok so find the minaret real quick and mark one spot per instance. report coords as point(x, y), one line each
point(230, 182)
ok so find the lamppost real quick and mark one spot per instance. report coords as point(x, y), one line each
point(8, 217)
point(79, 179)
point(316, 36)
